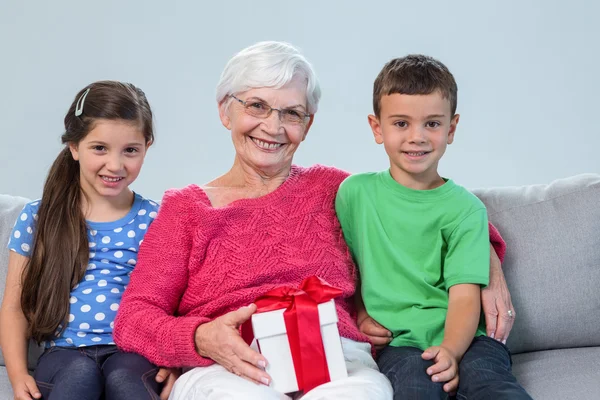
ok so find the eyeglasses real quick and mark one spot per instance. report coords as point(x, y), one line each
point(260, 109)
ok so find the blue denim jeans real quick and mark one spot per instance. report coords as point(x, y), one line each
point(95, 372)
point(484, 373)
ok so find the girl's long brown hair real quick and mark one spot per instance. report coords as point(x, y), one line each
point(60, 253)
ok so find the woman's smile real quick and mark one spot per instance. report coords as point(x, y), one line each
point(266, 145)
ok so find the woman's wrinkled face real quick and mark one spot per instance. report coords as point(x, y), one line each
point(267, 144)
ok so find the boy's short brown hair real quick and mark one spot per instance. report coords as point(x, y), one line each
point(414, 74)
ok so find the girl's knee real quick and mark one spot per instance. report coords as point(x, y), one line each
point(130, 364)
point(79, 368)
point(70, 375)
point(130, 376)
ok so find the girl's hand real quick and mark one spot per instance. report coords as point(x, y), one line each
point(445, 368)
point(25, 388)
point(220, 341)
point(378, 335)
point(167, 376)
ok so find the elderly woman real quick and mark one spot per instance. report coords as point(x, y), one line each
point(265, 223)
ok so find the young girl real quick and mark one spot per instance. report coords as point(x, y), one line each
point(72, 253)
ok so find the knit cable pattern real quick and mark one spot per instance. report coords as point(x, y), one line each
point(198, 262)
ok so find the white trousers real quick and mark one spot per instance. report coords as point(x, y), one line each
point(364, 381)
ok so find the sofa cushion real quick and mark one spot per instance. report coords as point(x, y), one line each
point(5, 388)
point(552, 264)
point(10, 207)
point(566, 374)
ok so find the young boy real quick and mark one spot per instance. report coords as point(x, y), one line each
point(422, 246)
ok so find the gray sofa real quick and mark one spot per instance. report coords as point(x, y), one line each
point(553, 271)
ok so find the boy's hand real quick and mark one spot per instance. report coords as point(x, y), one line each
point(167, 376)
point(25, 388)
point(445, 368)
point(378, 335)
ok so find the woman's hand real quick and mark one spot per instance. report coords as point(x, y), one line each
point(167, 376)
point(496, 302)
point(220, 341)
point(25, 388)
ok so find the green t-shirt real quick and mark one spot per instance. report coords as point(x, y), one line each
point(411, 246)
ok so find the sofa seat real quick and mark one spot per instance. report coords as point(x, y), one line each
point(565, 374)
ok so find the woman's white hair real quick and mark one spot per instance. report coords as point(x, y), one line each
point(268, 64)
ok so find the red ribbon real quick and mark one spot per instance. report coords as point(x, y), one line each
point(303, 328)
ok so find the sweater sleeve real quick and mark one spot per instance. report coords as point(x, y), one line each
point(146, 322)
point(497, 241)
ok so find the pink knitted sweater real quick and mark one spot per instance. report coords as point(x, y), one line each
point(198, 262)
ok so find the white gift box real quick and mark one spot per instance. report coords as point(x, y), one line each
point(270, 332)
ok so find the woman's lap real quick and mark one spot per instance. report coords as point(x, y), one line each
point(215, 382)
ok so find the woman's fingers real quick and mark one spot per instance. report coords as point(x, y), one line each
point(250, 363)
point(220, 340)
point(251, 372)
point(505, 319)
point(247, 354)
point(496, 302)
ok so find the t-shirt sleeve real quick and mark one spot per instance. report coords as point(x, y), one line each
point(151, 208)
point(343, 213)
point(21, 237)
point(468, 257)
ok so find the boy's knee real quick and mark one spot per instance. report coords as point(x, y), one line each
point(419, 389)
point(485, 359)
point(407, 374)
point(402, 364)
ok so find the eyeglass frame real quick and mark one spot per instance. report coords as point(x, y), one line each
point(271, 109)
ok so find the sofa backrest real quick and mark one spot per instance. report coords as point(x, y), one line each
point(552, 264)
point(10, 207)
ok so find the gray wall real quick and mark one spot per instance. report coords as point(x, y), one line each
point(527, 73)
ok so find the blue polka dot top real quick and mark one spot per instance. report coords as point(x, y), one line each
point(113, 254)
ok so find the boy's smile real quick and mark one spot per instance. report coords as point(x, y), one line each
point(415, 130)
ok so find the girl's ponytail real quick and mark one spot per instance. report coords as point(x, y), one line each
point(60, 255)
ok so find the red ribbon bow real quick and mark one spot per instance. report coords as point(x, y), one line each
point(303, 328)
